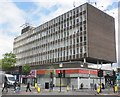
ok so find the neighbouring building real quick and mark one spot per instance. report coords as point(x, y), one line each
point(84, 34)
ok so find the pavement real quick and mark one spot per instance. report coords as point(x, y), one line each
point(56, 91)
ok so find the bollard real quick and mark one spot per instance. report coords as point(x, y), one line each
point(115, 88)
point(36, 85)
point(38, 89)
point(67, 88)
point(98, 90)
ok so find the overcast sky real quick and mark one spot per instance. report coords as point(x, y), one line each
point(14, 13)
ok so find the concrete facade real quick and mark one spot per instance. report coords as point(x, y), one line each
point(101, 36)
point(82, 33)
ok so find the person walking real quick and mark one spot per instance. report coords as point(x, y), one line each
point(51, 86)
point(5, 86)
point(28, 87)
point(95, 86)
point(15, 84)
point(98, 88)
point(18, 87)
point(81, 86)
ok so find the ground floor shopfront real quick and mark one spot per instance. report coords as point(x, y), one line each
point(73, 77)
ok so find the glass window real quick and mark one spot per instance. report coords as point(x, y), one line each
point(77, 50)
point(74, 40)
point(74, 11)
point(77, 40)
point(73, 21)
point(67, 23)
point(80, 28)
point(84, 27)
point(77, 20)
point(73, 51)
point(68, 15)
point(80, 39)
point(77, 10)
point(84, 38)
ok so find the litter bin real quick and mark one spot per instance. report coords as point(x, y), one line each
point(46, 85)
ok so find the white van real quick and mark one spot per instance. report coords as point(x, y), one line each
point(10, 79)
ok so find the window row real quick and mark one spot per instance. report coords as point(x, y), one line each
point(36, 61)
point(53, 45)
point(54, 54)
point(52, 37)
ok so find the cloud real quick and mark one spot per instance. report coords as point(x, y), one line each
point(11, 19)
point(56, 8)
point(6, 44)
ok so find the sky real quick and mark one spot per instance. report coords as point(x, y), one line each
point(15, 13)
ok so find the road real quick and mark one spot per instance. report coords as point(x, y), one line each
point(57, 92)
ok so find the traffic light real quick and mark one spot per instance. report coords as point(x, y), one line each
point(63, 73)
point(114, 73)
point(51, 74)
point(114, 77)
point(100, 73)
point(60, 74)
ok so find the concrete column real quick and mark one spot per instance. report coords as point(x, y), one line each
point(54, 81)
point(89, 80)
point(54, 78)
point(97, 64)
point(84, 60)
point(78, 82)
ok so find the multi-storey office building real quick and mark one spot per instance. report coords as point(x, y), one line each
point(84, 32)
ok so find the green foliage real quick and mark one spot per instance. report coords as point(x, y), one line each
point(8, 62)
point(26, 69)
point(0, 63)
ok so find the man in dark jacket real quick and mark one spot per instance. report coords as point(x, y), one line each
point(28, 87)
point(5, 86)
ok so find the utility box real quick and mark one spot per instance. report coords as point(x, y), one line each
point(46, 85)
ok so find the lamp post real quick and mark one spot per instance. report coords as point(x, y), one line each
point(60, 75)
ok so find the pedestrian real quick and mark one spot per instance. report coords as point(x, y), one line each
point(72, 87)
point(67, 88)
point(81, 86)
point(103, 86)
point(28, 87)
point(5, 86)
point(19, 86)
point(51, 86)
point(95, 86)
point(98, 88)
point(15, 84)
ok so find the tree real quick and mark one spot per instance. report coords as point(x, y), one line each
point(26, 69)
point(8, 62)
point(0, 63)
